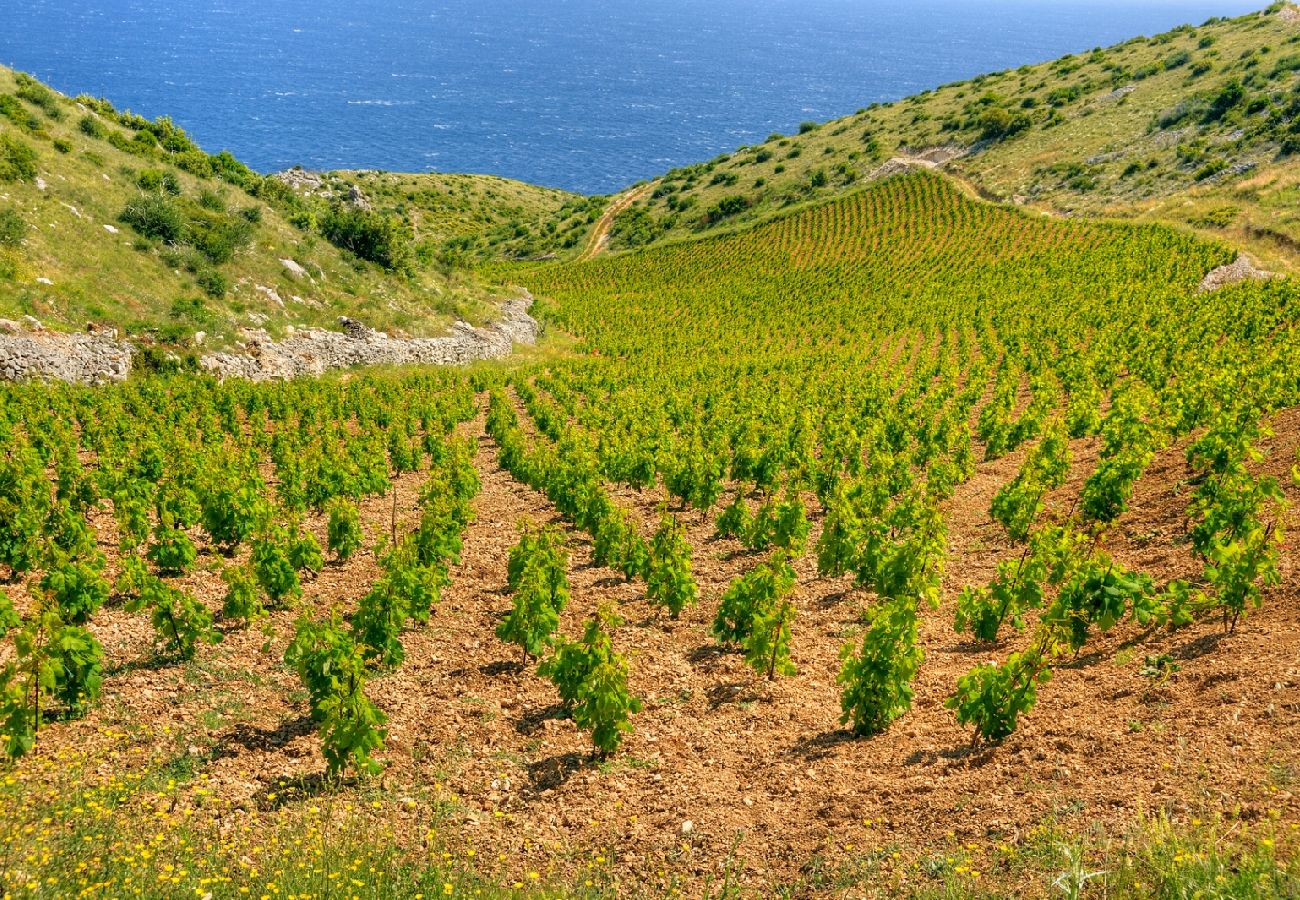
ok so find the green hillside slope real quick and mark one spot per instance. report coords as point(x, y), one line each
point(106, 216)
point(481, 217)
point(1197, 126)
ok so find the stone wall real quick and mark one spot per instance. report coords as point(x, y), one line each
point(29, 352)
point(316, 351)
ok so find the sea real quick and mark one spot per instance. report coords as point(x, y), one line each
point(586, 95)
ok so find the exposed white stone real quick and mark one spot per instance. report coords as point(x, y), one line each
point(314, 351)
point(294, 268)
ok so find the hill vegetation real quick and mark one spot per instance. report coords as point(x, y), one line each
point(1197, 126)
point(108, 217)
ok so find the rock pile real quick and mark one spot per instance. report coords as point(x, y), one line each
point(1240, 270)
point(315, 351)
point(28, 351)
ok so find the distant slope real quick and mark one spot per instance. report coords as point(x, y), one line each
point(105, 216)
point(1198, 126)
point(469, 218)
point(918, 251)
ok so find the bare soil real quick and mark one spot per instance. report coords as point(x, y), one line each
point(764, 774)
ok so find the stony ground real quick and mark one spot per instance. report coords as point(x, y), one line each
point(726, 772)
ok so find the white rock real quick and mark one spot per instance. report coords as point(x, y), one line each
point(110, 229)
point(294, 268)
point(40, 183)
point(43, 280)
point(687, 827)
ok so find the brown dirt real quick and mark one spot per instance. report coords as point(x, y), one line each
point(762, 770)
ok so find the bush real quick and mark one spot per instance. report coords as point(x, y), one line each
point(1210, 169)
point(372, 236)
point(216, 235)
point(155, 217)
point(17, 159)
point(12, 227)
point(156, 180)
point(90, 126)
point(38, 94)
point(997, 123)
point(13, 110)
point(725, 209)
point(213, 283)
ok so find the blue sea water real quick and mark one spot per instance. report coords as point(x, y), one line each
point(589, 95)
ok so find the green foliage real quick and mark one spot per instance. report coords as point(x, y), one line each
point(994, 697)
point(9, 618)
point(180, 621)
point(372, 236)
point(670, 584)
point(767, 646)
point(377, 625)
point(272, 559)
point(331, 668)
point(343, 533)
point(77, 588)
point(243, 601)
point(156, 217)
point(1019, 502)
point(17, 159)
point(172, 551)
point(592, 681)
point(1100, 594)
point(756, 593)
point(537, 577)
point(735, 520)
point(12, 227)
point(877, 679)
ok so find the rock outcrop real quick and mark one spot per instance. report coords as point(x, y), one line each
point(29, 352)
point(316, 351)
point(1240, 270)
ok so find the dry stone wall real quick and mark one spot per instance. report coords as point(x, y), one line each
point(29, 352)
point(316, 351)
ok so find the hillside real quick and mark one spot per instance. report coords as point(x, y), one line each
point(905, 545)
point(107, 217)
point(474, 218)
point(1194, 127)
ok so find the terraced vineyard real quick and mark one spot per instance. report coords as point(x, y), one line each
point(906, 544)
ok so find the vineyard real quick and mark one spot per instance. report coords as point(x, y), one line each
point(903, 544)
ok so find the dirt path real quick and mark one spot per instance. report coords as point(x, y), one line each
point(600, 234)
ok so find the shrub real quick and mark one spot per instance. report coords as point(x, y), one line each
point(17, 159)
point(344, 536)
point(997, 123)
point(39, 95)
point(156, 217)
point(12, 227)
point(725, 209)
point(212, 283)
point(217, 235)
point(90, 126)
point(15, 112)
point(372, 236)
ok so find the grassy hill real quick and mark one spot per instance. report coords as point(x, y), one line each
point(480, 217)
point(1197, 126)
point(106, 216)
